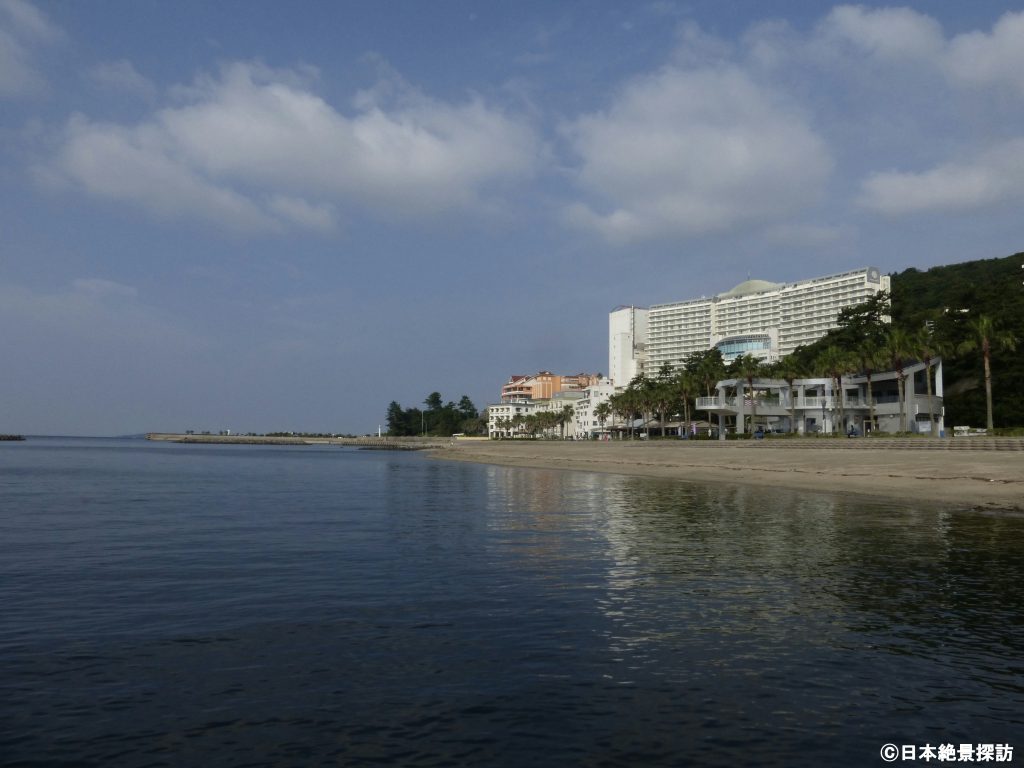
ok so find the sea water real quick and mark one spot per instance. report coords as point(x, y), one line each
point(187, 605)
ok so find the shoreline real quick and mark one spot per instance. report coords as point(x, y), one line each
point(974, 479)
point(377, 443)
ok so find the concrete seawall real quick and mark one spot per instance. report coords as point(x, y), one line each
point(379, 443)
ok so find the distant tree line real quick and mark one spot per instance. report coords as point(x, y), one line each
point(436, 418)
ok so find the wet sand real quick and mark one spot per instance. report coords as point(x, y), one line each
point(962, 478)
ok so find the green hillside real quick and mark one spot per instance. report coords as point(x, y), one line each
point(948, 296)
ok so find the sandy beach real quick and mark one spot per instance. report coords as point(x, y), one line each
point(982, 479)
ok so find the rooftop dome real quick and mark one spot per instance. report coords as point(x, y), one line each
point(751, 286)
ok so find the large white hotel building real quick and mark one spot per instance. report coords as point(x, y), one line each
point(767, 320)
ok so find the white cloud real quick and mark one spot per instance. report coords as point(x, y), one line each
point(259, 150)
point(122, 76)
point(689, 151)
point(994, 59)
point(934, 103)
point(23, 29)
point(29, 21)
point(994, 177)
point(970, 60)
point(895, 33)
point(138, 166)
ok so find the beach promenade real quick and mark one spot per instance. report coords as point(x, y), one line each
point(983, 473)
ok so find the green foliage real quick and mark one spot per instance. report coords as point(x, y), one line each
point(865, 322)
point(439, 419)
point(946, 302)
point(708, 367)
point(952, 298)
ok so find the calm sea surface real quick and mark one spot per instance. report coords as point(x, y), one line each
point(166, 605)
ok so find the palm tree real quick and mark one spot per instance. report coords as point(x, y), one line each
point(682, 388)
point(661, 397)
point(622, 405)
point(789, 370)
point(928, 348)
point(565, 416)
point(836, 363)
point(642, 391)
point(547, 421)
point(661, 393)
point(707, 369)
point(986, 336)
point(870, 357)
point(748, 367)
point(602, 411)
point(898, 346)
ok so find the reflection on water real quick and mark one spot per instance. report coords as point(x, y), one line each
point(792, 612)
point(168, 606)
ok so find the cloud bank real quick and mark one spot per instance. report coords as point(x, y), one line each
point(23, 31)
point(688, 151)
point(256, 150)
point(722, 137)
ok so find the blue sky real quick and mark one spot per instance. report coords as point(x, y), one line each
point(269, 216)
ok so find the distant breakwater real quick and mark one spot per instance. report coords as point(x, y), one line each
point(369, 443)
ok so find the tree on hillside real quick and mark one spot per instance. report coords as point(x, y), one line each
point(987, 336)
point(864, 321)
point(950, 296)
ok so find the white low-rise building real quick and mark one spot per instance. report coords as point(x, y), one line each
point(509, 420)
point(814, 405)
point(504, 420)
point(587, 424)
